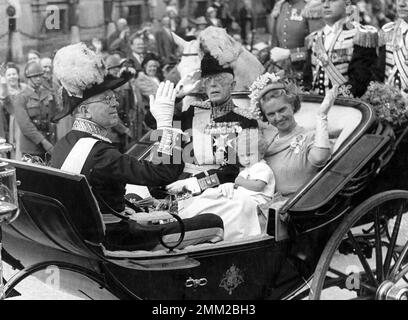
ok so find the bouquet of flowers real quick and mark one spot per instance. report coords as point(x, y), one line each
point(389, 103)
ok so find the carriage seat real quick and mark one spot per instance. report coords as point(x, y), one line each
point(342, 121)
point(69, 218)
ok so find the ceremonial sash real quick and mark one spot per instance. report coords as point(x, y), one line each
point(202, 143)
point(334, 75)
point(400, 57)
point(76, 158)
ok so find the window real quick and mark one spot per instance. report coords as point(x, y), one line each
point(135, 17)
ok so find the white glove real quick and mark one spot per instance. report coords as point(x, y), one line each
point(322, 132)
point(190, 184)
point(162, 106)
point(279, 54)
point(227, 190)
point(328, 101)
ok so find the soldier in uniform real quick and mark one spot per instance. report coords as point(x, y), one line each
point(393, 56)
point(34, 107)
point(342, 53)
point(290, 25)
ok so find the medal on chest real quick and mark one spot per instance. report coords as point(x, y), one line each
point(295, 15)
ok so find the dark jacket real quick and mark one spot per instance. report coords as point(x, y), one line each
point(33, 111)
point(108, 171)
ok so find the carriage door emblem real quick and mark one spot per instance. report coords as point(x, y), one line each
point(232, 279)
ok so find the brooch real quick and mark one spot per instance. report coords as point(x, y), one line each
point(297, 143)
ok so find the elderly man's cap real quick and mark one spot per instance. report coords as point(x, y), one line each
point(211, 66)
point(82, 74)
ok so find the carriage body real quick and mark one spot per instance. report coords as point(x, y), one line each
point(62, 226)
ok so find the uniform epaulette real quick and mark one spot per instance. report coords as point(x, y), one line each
point(201, 104)
point(309, 39)
point(386, 34)
point(366, 36)
point(313, 10)
point(277, 8)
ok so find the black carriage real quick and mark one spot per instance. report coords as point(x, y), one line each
point(344, 229)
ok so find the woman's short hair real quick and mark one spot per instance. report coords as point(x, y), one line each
point(12, 65)
point(150, 57)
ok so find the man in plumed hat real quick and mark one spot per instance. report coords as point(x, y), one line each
point(88, 93)
point(342, 53)
point(213, 126)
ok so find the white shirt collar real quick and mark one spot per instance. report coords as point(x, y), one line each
point(334, 28)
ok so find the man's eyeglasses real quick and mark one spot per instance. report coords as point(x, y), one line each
point(109, 100)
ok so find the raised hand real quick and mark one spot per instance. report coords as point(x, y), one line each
point(162, 105)
point(328, 100)
point(188, 84)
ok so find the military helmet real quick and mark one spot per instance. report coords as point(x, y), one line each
point(33, 69)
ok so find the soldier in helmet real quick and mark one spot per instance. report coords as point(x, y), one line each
point(342, 53)
point(34, 108)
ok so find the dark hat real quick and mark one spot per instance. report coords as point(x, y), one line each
point(83, 75)
point(210, 66)
point(70, 103)
point(150, 56)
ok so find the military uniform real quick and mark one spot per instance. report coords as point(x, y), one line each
point(33, 111)
point(210, 148)
point(393, 58)
point(347, 60)
point(208, 152)
point(289, 28)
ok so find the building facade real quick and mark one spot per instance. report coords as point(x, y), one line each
point(46, 25)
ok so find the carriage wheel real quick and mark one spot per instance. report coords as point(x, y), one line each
point(367, 255)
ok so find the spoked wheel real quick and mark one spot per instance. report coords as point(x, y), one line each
point(367, 255)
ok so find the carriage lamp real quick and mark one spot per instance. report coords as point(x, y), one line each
point(8, 199)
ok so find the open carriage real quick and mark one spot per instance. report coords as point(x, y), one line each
point(344, 229)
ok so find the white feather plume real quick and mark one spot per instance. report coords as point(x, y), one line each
point(78, 68)
point(220, 45)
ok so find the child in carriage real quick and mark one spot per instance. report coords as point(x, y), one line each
point(256, 178)
point(237, 203)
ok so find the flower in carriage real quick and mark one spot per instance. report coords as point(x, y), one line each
point(389, 103)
